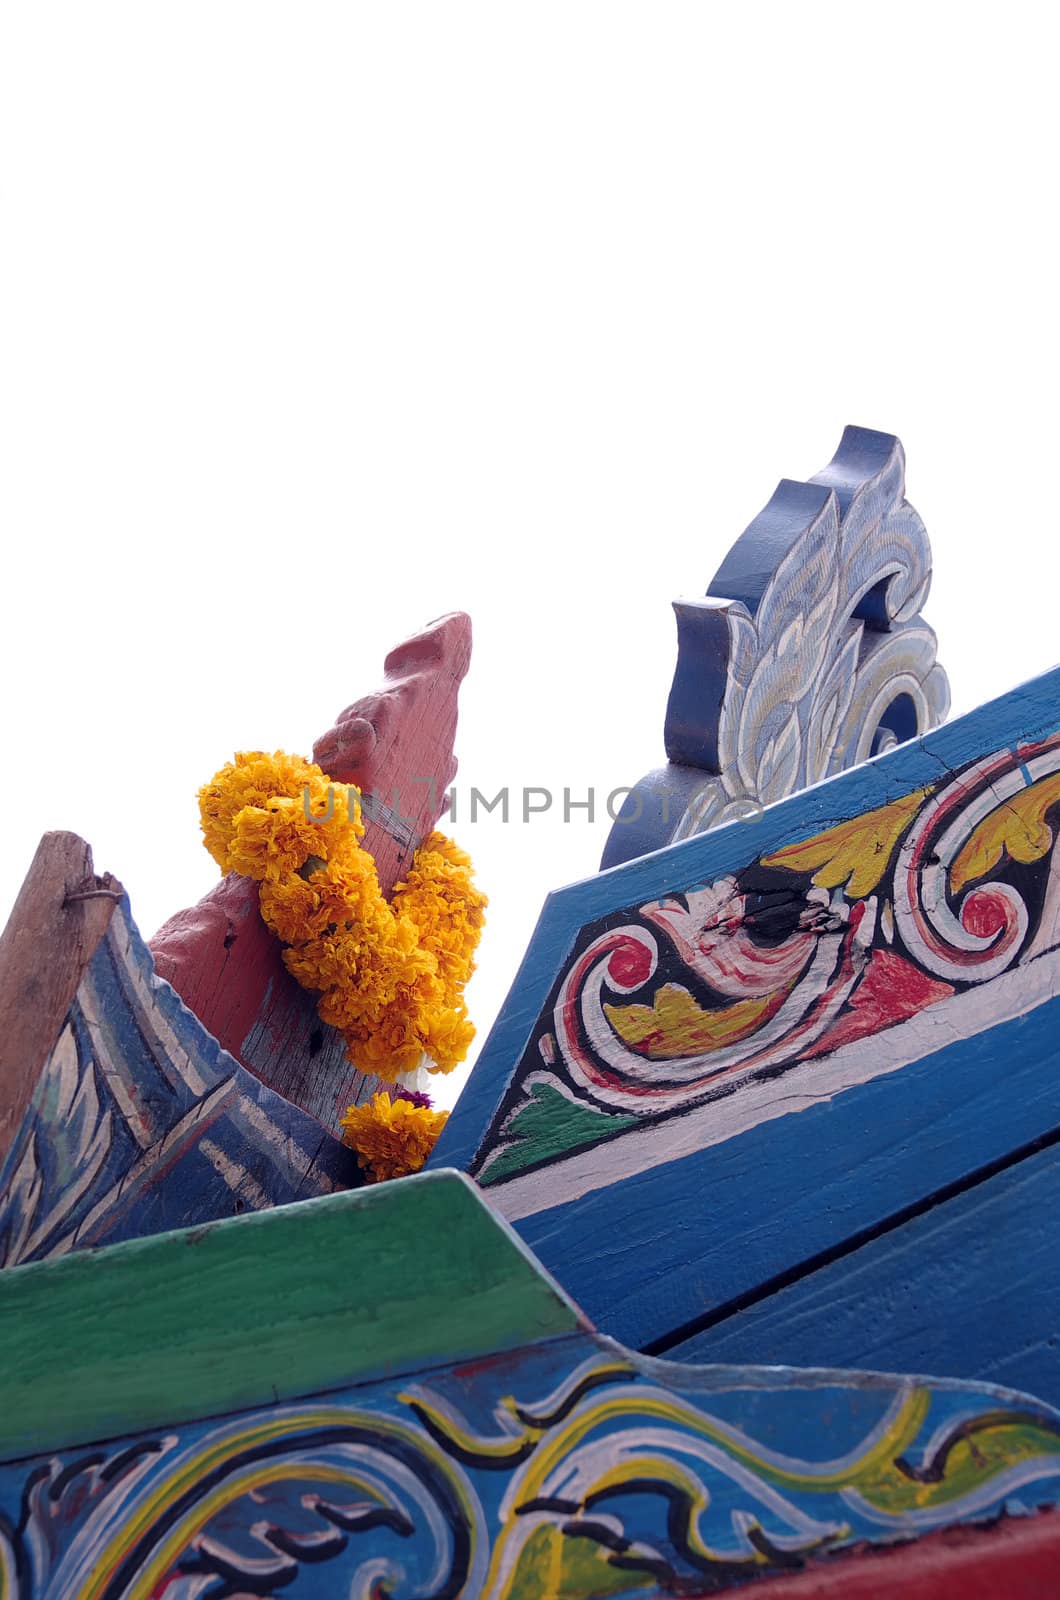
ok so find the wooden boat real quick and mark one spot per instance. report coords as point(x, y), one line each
point(772, 1098)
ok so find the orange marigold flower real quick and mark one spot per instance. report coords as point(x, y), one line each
point(391, 1137)
point(390, 976)
point(252, 779)
point(449, 1034)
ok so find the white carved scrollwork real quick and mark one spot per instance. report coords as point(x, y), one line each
point(810, 682)
point(807, 656)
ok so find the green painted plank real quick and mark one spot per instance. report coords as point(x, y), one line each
point(269, 1306)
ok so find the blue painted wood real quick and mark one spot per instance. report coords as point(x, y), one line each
point(1024, 715)
point(568, 1466)
point(140, 1122)
point(656, 1217)
point(648, 1256)
point(807, 655)
point(969, 1288)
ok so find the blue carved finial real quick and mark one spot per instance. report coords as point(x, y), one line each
point(807, 655)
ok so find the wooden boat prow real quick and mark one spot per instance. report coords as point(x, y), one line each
point(774, 1100)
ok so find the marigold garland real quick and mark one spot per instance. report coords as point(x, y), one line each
point(392, 1137)
point(390, 975)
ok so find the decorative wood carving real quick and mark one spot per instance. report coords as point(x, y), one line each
point(397, 747)
point(807, 656)
point(125, 1117)
point(775, 1071)
point(216, 1410)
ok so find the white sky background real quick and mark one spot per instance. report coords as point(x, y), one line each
point(319, 321)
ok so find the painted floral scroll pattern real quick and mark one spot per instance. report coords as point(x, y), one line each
point(587, 1472)
point(683, 999)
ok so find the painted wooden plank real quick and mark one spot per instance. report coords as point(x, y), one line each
point(808, 654)
point(574, 917)
point(969, 1288)
point(137, 1120)
point(563, 1471)
point(602, 1480)
point(264, 1307)
point(720, 1060)
point(397, 746)
point(409, 1406)
point(651, 1254)
point(1017, 1559)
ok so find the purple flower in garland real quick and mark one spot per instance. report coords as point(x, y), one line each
point(414, 1096)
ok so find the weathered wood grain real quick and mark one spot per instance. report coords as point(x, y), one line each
point(397, 747)
point(49, 940)
point(722, 1065)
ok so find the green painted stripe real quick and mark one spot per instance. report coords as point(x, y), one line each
point(270, 1306)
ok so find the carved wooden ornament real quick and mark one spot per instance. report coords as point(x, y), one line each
point(808, 654)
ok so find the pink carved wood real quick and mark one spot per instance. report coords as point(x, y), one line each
point(397, 746)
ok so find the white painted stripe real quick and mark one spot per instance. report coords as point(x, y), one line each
point(141, 1172)
point(170, 1050)
point(235, 1175)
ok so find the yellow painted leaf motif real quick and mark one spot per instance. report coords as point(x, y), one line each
point(551, 1563)
point(674, 1025)
point(975, 1452)
point(1017, 828)
point(855, 853)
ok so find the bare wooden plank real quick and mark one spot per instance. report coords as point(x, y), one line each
point(61, 913)
point(397, 746)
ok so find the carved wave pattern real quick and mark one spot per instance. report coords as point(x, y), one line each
point(686, 998)
point(807, 655)
point(835, 663)
point(596, 1480)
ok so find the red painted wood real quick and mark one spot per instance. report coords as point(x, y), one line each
point(1018, 1559)
point(891, 990)
point(397, 746)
